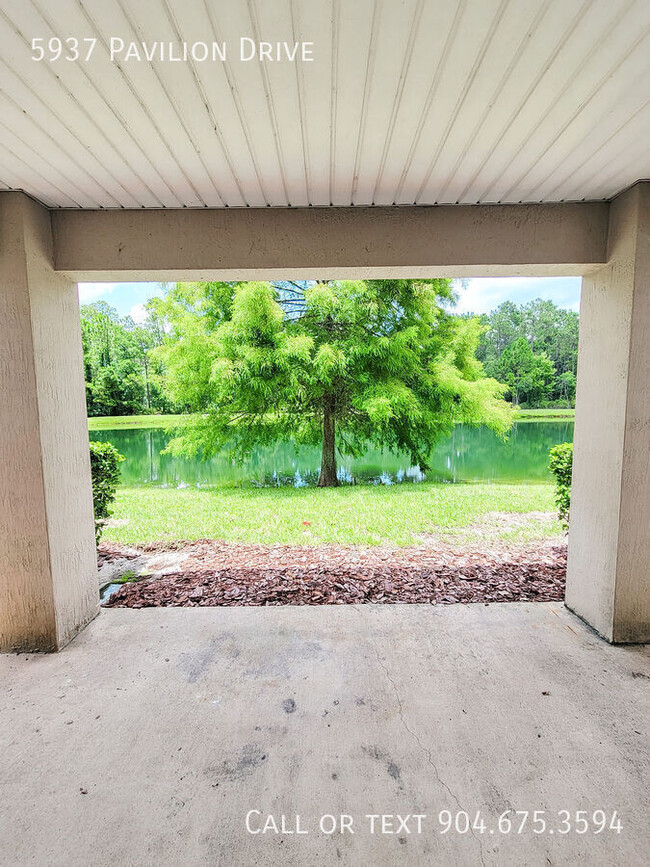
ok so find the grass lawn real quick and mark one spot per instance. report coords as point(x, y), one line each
point(130, 422)
point(397, 515)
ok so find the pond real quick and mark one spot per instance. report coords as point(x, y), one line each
point(468, 455)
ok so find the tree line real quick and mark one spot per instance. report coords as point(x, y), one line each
point(533, 349)
point(123, 375)
point(135, 368)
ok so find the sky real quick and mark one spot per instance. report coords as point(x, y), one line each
point(478, 295)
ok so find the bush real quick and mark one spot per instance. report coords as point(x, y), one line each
point(560, 464)
point(105, 470)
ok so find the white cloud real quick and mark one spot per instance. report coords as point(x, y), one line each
point(138, 313)
point(484, 294)
point(89, 292)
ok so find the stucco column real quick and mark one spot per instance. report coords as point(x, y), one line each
point(608, 578)
point(48, 581)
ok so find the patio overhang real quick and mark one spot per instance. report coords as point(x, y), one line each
point(420, 102)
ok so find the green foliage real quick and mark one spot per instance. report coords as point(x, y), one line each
point(121, 377)
point(548, 330)
point(561, 464)
point(343, 362)
point(105, 470)
point(565, 384)
point(528, 375)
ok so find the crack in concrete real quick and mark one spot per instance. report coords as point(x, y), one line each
point(424, 749)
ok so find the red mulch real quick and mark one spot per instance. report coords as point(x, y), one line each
point(217, 574)
point(106, 553)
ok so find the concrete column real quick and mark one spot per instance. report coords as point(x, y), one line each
point(48, 582)
point(608, 578)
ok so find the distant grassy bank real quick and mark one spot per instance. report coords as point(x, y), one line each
point(360, 515)
point(132, 422)
point(544, 414)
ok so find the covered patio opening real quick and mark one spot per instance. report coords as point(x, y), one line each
point(47, 549)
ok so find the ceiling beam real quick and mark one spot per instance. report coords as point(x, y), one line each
point(327, 243)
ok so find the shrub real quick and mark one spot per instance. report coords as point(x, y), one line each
point(560, 464)
point(105, 469)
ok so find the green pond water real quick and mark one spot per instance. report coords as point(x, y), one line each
point(468, 455)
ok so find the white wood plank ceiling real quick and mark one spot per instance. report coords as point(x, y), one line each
point(406, 101)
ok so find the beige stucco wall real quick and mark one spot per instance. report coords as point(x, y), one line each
point(632, 593)
point(48, 584)
point(608, 579)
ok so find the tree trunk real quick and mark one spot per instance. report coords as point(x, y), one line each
point(328, 477)
point(146, 379)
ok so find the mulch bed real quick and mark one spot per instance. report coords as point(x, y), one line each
point(215, 574)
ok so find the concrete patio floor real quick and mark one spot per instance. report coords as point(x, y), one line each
point(151, 736)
